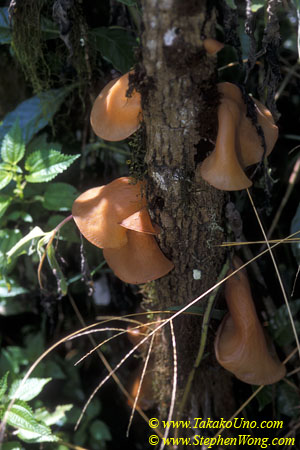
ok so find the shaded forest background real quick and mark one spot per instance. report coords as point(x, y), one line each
point(55, 57)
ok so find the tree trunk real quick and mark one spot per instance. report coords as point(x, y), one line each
point(180, 99)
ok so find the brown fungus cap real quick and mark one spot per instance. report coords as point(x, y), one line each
point(139, 261)
point(141, 222)
point(238, 144)
point(240, 344)
point(212, 46)
point(115, 116)
point(99, 211)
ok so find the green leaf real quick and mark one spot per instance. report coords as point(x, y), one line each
point(5, 178)
point(3, 385)
point(10, 288)
point(12, 306)
point(23, 244)
point(8, 238)
point(52, 418)
point(34, 113)
point(59, 197)
point(257, 4)
point(100, 431)
point(5, 201)
point(280, 325)
point(46, 165)
point(5, 31)
point(34, 438)
point(40, 143)
point(231, 4)
point(21, 416)
point(13, 146)
point(61, 281)
point(12, 446)
point(116, 46)
point(29, 390)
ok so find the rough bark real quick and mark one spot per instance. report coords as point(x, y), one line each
point(180, 98)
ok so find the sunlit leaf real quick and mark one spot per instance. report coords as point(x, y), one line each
point(10, 288)
point(44, 165)
point(13, 146)
point(5, 178)
point(3, 385)
point(22, 245)
point(21, 416)
point(28, 390)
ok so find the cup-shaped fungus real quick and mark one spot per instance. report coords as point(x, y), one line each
point(238, 144)
point(115, 116)
point(212, 46)
point(240, 345)
point(114, 217)
point(99, 211)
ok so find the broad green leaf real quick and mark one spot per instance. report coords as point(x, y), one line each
point(12, 358)
point(287, 401)
point(29, 390)
point(34, 438)
point(5, 178)
point(51, 418)
point(5, 31)
point(13, 146)
point(46, 165)
point(8, 238)
point(100, 431)
point(14, 216)
point(5, 201)
point(231, 4)
point(12, 446)
point(61, 281)
point(116, 46)
point(59, 197)
point(22, 245)
point(21, 416)
point(280, 325)
point(10, 288)
point(34, 113)
point(12, 306)
point(257, 4)
point(3, 385)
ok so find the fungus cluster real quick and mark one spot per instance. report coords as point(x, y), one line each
point(240, 345)
point(114, 217)
point(238, 144)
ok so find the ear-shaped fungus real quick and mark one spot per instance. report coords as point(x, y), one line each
point(114, 217)
point(114, 116)
point(240, 344)
point(238, 144)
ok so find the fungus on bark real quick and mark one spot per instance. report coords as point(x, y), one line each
point(240, 344)
point(212, 46)
point(238, 144)
point(114, 217)
point(115, 116)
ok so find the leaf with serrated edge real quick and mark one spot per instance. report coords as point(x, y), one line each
point(45, 165)
point(5, 201)
point(5, 178)
point(28, 390)
point(3, 385)
point(13, 146)
point(21, 416)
